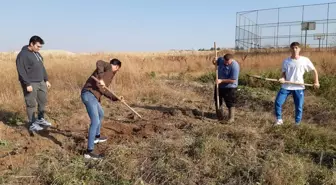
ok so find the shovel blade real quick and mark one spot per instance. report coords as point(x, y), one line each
point(220, 114)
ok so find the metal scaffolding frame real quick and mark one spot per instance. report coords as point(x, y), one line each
point(255, 30)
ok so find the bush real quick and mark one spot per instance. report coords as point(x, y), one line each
point(207, 77)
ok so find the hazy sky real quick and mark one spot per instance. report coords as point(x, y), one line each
point(125, 25)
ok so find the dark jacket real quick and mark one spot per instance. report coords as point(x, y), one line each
point(103, 71)
point(30, 67)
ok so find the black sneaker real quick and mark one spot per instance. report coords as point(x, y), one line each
point(91, 155)
point(100, 139)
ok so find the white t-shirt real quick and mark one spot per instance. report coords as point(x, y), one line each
point(295, 69)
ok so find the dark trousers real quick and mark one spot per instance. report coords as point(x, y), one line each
point(228, 94)
point(39, 96)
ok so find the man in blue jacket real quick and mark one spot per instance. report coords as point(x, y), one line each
point(33, 78)
point(228, 73)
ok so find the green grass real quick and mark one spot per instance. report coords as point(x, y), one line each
point(207, 77)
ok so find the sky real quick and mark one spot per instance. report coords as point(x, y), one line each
point(126, 25)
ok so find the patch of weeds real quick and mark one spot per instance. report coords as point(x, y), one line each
point(284, 169)
point(327, 87)
point(6, 145)
point(3, 180)
point(167, 163)
point(320, 176)
point(311, 139)
point(11, 118)
point(180, 76)
point(150, 100)
point(183, 76)
point(196, 148)
point(76, 170)
point(207, 77)
point(15, 120)
point(254, 82)
point(243, 80)
point(151, 74)
point(3, 143)
point(315, 143)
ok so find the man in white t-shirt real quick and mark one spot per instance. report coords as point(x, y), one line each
point(293, 69)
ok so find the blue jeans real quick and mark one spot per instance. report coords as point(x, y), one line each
point(298, 96)
point(96, 114)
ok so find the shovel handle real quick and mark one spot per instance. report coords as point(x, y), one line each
point(276, 80)
point(217, 91)
point(118, 97)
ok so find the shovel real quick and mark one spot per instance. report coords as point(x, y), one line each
point(219, 112)
point(276, 80)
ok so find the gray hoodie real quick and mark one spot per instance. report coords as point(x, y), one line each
point(30, 67)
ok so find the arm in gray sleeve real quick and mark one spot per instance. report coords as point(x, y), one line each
point(21, 68)
point(45, 74)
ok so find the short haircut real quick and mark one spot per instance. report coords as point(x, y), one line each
point(228, 57)
point(34, 39)
point(115, 62)
point(293, 44)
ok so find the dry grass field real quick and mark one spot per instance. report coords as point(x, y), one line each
point(179, 141)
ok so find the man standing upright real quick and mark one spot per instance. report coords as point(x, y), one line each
point(34, 82)
point(293, 69)
point(228, 74)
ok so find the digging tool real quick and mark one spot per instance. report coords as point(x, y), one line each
point(118, 98)
point(217, 97)
point(218, 110)
point(276, 80)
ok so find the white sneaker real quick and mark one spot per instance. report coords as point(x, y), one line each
point(43, 122)
point(101, 139)
point(93, 156)
point(35, 127)
point(279, 122)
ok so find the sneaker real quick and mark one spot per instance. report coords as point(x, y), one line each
point(279, 122)
point(91, 155)
point(43, 122)
point(35, 127)
point(100, 139)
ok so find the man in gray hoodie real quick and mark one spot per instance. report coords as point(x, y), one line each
point(34, 82)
